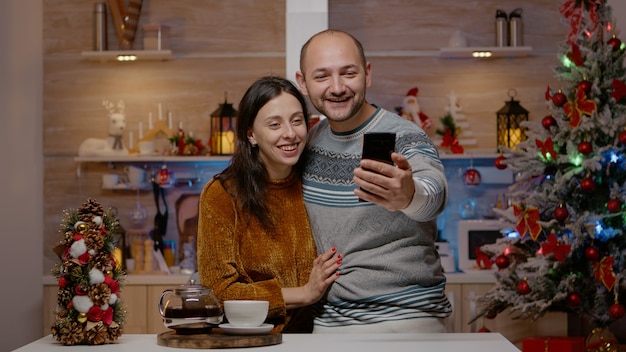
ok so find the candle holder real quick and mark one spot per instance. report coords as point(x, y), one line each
point(510, 131)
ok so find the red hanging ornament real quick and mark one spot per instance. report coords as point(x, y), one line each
point(502, 261)
point(560, 213)
point(585, 147)
point(484, 329)
point(587, 185)
point(523, 288)
point(622, 137)
point(548, 122)
point(614, 205)
point(616, 311)
point(585, 86)
point(491, 314)
point(592, 253)
point(500, 165)
point(471, 177)
point(165, 177)
point(574, 299)
point(615, 43)
point(559, 99)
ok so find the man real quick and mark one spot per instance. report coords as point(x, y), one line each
point(391, 277)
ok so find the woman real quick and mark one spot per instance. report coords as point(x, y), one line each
point(254, 238)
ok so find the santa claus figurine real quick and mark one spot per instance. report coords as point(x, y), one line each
point(411, 110)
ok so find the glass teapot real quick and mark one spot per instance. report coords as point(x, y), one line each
point(190, 306)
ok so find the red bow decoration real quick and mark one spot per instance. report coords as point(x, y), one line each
point(573, 11)
point(579, 107)
point(552, 246)
point(528, 221)
point(451, 141)
point(575, 55)
point(482, 259)
point(619, 89)
point(548, 96)
point(603, 272)
point(547, 148)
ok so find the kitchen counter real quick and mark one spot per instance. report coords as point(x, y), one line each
point(475, 277)
point(465, 342)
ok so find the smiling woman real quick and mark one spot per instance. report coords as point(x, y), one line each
point(247, 247)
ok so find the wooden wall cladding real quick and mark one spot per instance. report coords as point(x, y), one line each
point(222, 46)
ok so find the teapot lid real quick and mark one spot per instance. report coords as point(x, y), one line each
point(192, 290)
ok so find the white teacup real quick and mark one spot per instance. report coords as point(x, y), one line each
point(246, 313)
point(109, 181)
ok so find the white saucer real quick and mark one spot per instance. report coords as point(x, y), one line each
point(246, 330)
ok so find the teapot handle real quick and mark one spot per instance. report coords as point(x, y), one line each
point(165, 293)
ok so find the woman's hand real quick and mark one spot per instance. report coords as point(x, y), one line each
point(323, 273)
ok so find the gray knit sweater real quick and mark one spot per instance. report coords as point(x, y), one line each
point(390, 268)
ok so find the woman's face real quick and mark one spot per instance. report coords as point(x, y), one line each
point(279, 130)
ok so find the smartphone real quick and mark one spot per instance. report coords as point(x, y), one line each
point(378, 146)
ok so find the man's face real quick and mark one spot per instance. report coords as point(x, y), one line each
point(334, 78)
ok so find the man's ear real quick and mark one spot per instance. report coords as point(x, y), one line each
point(301, 83)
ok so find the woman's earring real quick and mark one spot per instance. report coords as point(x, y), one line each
point(253, 143)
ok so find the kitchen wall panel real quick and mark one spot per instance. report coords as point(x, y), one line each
point(223, 46)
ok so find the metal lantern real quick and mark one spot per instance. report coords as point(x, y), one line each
point(223, 129)
point(510, 117)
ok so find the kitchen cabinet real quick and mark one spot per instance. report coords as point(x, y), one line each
point(142, 293)
point(463, 288)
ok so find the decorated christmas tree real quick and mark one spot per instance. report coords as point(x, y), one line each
point(570, 186)
point(89, 309)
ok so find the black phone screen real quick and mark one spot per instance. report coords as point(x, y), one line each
point(378, 146)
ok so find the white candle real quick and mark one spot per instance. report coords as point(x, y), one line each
point(180, 125)
point(169, 120)
point(160, 111)
point(131, 142)
point(140, 130)
point(150, 121)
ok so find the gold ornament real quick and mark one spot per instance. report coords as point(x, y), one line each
point(601, 340)
point(82, 317)
point(81, 227)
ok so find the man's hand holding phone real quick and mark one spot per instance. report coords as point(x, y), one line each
point(379, 180)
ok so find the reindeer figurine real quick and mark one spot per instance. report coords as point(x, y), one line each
point(113, 144)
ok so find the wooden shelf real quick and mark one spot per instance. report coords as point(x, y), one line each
point(139, 55)
point(151, 159)
point(495, 52)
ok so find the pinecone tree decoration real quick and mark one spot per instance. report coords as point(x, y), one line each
point(89, 310)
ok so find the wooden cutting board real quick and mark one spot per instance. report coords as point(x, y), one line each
point(217, 339)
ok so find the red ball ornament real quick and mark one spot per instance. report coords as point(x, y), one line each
point(622, 137)
point(548, 122)
point(502, 261)
point(574, 299)
point(616, 311)
point(484, 329)
point(560, 213)
point(587, 185)
point(491, 314)
point(471, 177)
point(559, 99)
point(585, 86)
point(500, 165)
point(523, 288)
point(592, 253)
point(585, 148)
point(614, 205)
point(615, 43)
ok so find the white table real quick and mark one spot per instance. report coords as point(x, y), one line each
point(476, 342)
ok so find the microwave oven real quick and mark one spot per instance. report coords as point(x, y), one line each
point(473, 234)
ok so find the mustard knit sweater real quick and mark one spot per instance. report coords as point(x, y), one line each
point(238, 259)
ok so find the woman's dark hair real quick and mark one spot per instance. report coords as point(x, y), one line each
point(247, 176)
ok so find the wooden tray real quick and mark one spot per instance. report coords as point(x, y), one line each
point(217, 339)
